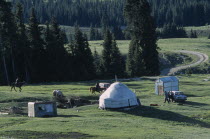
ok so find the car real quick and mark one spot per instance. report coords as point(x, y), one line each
point(178, 96)
point(104, 85)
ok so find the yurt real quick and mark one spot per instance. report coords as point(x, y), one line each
point(118, 96)
point(170, 83)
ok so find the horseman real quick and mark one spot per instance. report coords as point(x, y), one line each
point(17, 81)
point(97, 87)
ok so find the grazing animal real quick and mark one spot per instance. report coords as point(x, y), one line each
point(19, 85)
point(94, 89)
point(58, 93)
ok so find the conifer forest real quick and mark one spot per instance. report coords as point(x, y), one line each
point(35, 48)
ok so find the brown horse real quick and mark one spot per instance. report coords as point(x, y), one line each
point(94, 89)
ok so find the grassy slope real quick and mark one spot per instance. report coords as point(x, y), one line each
point(202, 31)
point(199, 44)
point(191, 120)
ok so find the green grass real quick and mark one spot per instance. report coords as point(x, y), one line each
point(202, 31)
point(198, 44)
point(190, 120)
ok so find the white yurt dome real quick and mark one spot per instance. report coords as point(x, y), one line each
point(117, 95)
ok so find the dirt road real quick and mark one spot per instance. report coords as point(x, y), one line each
point(201, 59)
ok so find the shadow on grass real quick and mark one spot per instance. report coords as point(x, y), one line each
point(26, 99)
point(92, 97)
point(193, 95)
point(193, 83)
point(146, 111)
point(67, 116)
point(195, 103)
point(134, 86)
point(149, 79)
point(42, 135)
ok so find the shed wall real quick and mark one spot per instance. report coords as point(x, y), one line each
point(166, 84)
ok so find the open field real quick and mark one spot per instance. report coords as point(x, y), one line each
point(190, 120)
point(198, 45)
point(202, 31)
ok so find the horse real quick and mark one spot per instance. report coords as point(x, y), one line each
point(19, 85)
point(94, 89)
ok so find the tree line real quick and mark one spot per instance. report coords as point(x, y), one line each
point(41, 53)
point(110, 12)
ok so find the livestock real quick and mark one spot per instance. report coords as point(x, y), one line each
point(18, 84)
point(58, 93)
point(94, 89)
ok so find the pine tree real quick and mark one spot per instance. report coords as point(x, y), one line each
point(118, 33)
point(89, 59)
point(98, 35)
point(172, 31)
point(96, 62)
point(22, 50)
point(142, 28)
point(117, 64)
point(112, 62)
point(193, 34)
point(56, 52)
point(4, 73)
point(134, 63)
point(83, 67)
point(37, 53)
point(48, 39)
point(106, 55)
point(92, 33)
point(8, 41)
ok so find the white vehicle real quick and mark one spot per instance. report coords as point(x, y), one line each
point(104, 85)
point(178, 96)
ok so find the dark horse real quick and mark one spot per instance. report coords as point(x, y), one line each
point(94, 89)
point(19, 85)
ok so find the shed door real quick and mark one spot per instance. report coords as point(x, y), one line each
point(160, 90)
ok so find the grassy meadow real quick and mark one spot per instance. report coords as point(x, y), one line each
point(190, 120)
point(174, 120)
point(198, 45)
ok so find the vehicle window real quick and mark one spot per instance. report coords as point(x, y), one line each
point(179, 93)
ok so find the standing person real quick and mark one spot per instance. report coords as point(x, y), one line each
point(17, 80)
point(166, 96)
point(97, 87)
point(172, 96)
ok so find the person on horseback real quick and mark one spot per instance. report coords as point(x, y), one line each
point(17, 81)
point(97, 87)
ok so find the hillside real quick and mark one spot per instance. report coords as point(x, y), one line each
point(110, 12)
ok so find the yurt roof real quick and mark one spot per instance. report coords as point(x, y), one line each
point(117, 91)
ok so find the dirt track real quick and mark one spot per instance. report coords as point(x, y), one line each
point(201, 58)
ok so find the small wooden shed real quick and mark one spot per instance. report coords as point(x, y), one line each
point(42, 109)
point(170, 83)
